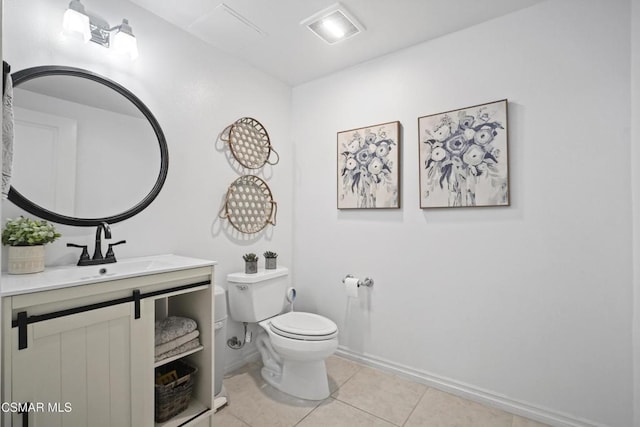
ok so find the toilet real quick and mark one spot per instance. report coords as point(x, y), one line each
point(293, 344)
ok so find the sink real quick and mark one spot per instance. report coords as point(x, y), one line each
point(66, 276)
point(126, 267)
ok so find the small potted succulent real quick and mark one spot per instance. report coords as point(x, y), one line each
point(270, 260)
point(250, 263)
point(26, 239)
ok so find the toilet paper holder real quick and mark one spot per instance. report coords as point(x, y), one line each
point(367, 281)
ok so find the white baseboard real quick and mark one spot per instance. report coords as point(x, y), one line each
point(470, 392)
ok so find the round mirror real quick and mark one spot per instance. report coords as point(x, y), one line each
point(86, 150)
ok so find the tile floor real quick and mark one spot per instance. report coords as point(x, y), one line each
point(360, 396)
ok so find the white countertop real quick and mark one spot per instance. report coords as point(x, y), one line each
point(68, 276)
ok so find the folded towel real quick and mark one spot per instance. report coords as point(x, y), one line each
point(7, 135)
point(173, 327)
point(189, 345)
point(163, 348)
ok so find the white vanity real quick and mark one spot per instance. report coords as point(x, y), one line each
point(78, 342)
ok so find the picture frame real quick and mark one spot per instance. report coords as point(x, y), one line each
point(368, 160)
point(463, 157)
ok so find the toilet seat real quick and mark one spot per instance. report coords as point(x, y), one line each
point(303, 326)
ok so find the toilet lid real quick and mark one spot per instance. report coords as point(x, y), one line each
point(307, 326)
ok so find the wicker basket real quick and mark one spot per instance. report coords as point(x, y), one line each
point(174, 397)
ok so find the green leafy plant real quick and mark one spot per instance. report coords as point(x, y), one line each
point(28, 232)
point(250, 257)
point(269, 254)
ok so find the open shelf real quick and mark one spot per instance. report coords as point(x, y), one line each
point(177, 356)
point(197, 304)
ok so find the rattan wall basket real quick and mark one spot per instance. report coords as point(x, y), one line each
point(249, 205)
point(250, 143)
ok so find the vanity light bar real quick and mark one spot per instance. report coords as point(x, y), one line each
point(78, 22)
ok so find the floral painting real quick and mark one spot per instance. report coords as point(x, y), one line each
point(368, 167)
point(463, 157)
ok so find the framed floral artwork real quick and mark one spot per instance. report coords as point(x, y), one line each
point(369, 167)
point(464, 157)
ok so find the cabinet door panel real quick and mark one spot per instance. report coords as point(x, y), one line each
point(82, 359)
point(74, 353)
point(85, 319)
point(97, 363)
point(35, 375)
point(120, 366)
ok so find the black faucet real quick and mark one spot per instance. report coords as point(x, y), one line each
point(97, 258)
point(97, 252)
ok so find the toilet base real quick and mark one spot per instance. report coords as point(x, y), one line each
point(305, 380)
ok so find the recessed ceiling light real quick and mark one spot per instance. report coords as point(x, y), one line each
point(333, 24)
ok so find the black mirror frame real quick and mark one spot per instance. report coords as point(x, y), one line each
point(24, 203)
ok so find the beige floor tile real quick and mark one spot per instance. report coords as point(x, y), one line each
point(260, 405)
point(337, 414)
point(339, 370)
point(439, 409)
point(361, 396)
point(224, 418)
point(384, 395)
point(523, 422)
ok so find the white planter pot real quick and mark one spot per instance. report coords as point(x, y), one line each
point(25, 259)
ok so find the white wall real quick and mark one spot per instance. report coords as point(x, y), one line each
point(528, 304)
point(635, 169)
point(194, 91)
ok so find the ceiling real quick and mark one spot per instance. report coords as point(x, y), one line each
point(268, 34)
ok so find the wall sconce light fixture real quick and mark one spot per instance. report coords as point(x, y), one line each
point(89, 27)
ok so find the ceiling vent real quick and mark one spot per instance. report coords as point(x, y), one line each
point(333, 24)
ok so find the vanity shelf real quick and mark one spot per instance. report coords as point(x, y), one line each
point(176, 357)
point(197, 304)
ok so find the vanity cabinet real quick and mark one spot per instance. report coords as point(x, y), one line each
point(84, 355)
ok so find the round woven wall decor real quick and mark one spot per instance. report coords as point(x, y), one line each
point(250, 144)
point(249, 205)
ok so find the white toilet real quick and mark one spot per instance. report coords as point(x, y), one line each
point(293, 345)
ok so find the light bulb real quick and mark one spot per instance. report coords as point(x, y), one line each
point(76, 24)
point(333, 28)
point(124, 42)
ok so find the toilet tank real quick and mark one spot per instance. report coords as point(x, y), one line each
point(256, 297)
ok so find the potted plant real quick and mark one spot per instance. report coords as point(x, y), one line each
point(250, 263)
point(270, 260)
point(26, 239)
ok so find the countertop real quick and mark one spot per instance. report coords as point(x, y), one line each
point(67, 276)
